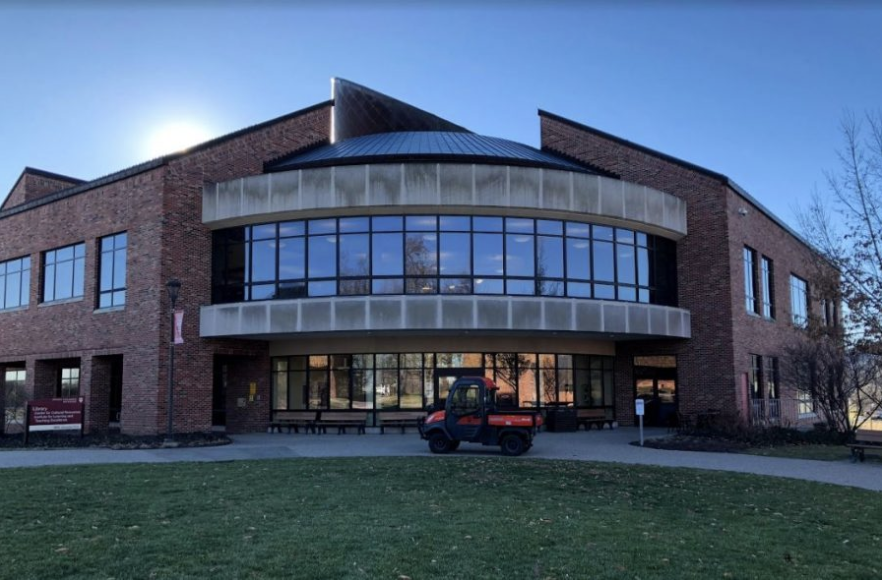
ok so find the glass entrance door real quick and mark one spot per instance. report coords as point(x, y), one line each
point(660, 400)
point(444, 379)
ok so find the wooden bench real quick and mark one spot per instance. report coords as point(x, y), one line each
point(341, 420)
point(864, 441)
point(589, 417)
point(293, 419)
point(400, 419)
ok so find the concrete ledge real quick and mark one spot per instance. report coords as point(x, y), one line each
point(443, 188)
point(443, 313)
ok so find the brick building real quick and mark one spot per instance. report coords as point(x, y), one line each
point(361, 254)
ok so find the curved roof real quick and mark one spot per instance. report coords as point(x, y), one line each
point(436, 146)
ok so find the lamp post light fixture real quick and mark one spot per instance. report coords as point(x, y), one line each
point(173, 286)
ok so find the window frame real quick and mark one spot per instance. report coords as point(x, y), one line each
point(767, 282)
point(114, 290)
point(24, 283)
point(799, 318)
point(78, 263)
point(751, 301)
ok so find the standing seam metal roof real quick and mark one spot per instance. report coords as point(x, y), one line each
point(425, 146)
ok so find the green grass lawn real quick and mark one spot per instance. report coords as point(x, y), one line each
point(430, 518)
point(818, 452)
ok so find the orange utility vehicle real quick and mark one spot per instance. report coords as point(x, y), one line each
point(470, 414)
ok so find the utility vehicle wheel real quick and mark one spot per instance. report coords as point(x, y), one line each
point(439, 443)
point(513, 445)
point(454, 445)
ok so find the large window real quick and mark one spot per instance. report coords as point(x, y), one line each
point(768, 277)
point(15, 283)
point(69, 381)
point(430, 254)
point(112, 278)
point(750, 302)
point(407, 381)
point(63, 272)
point(799, 300)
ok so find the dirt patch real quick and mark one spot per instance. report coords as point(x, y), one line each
point(107, 441)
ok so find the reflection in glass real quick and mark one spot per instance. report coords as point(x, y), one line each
point(487, 253)
point(354, 255)
point(603, 262)
point(322, 257)
point(488, 286)
point(263, 261)
point(519, 255)
point(456, 252)
point(549, 253)
point(291, 259)
point(625, 264)
point(387, 255)
point(578, 259)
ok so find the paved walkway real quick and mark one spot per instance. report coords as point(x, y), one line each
point(606, 445)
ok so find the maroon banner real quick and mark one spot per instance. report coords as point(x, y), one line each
point(179, 327)
point(55, 414)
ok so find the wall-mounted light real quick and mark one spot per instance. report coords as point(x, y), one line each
point(742, 211)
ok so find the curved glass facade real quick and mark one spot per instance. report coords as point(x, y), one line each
point(432, 254)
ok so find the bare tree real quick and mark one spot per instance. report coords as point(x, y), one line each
point(840, 384)
point(846, 227)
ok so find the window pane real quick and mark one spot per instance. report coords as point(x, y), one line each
point(24, 297)
point(287, 229)
point(487, 252)
point(62, 254)
point(119, 269)
point(338, 394)
point(520, 287)
point(105, 300)
point(625, 264)
point(264, 232)
point(263, 261)
point(387, 387)
point(354, 255)
point(456, 286)
point(577, 230)
point(49, 283)
point(292, 259)
point(356, 287)
point(328, 288)
point(387, 286)
point(363, 389)
point(263, 291)
point(550, 256)
point(603, 262)
point(288, 290)
point(627, 293)
point(421, 223)
point(549, 227)
point(412, 389)
point(387, 256)
point(550, 287)
point(322, 257)
point(79, 268)
point(578, 259)
point(643, 266)
point(421, 255)
point(455, 254)
point(13, 282)
point(488, 286)
point(387, 223)
point(603, 233)
point(119, 298)
point(624, 236)
point(450, 223)
point(519, 225)
point(579, 289)
point(487, 224)
point(354, 224)
point(519, 255)
point(326, 226)
point(63, 280)
point(604, 291)
point(421, 286)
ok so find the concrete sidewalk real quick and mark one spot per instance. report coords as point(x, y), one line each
point(606, 445)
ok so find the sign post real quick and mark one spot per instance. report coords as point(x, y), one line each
point(638, 407)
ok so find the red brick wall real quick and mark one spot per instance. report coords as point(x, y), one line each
point(161, 211)
point(710, 274)
point(32, 186)
point(706, 373)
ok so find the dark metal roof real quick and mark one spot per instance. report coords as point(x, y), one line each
point(425, 146)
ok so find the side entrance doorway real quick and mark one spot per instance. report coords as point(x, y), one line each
point(655, 382)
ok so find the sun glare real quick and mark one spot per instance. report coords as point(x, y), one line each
point(175, 137)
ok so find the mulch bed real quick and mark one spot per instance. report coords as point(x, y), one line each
point(107, 441)
point(695, 443)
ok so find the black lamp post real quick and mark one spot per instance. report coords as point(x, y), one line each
point(173, 286)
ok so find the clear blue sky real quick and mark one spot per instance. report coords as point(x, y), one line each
point(755, 93)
